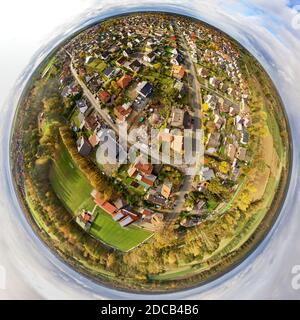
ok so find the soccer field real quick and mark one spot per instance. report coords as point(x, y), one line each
point(74, 190)
point(104, 227)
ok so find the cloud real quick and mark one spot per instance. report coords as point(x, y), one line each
point(264, 27)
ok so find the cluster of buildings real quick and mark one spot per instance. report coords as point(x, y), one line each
point(117, 62)
point(121, 213)
point(157, 194)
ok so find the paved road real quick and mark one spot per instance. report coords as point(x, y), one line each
point(187, 182)
point(196, 102)
point(93, 100)
point(104, 115)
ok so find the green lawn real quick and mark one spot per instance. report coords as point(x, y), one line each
point(97, 65)
point(74, 190)
point(104, 227)
point(68, 183)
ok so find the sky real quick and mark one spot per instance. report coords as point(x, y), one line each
point(269, 29)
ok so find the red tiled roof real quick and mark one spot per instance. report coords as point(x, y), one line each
point(91, 121)
point(178, 71)
point(147, 181)
point(109, 208)
point(147, 212)
point(103, 96)
point(145, 168)
point(106, 206)
point(124, 81)
point(121, 113)
point(93, 140)
point(133, 215)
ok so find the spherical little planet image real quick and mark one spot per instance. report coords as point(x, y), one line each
point(151, 152)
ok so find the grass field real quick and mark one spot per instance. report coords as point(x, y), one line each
point(74, 191)
point(97, 65)
point(104, 227)
point(68, 182)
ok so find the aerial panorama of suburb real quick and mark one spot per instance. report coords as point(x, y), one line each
point(150, 152)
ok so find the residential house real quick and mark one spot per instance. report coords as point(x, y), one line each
point(82, 105)
point(91, 121)
point(213, 140)
point(165, 136)
point(156, 199)
point(206, 174)
point(104, 96)
point(129, 217)
point(135, 66)
point(120, 203)
point(234, 109)
point(127, 52)
point(105, 55)
point(103, 204)
point(238, 121)
point(244, 137)
point(150, 57)
point(121, 61)
point(213, 81)
point(122, 112)
point(223, 105)
point(202, 72)
point(166, 189)
point(83, 146)
point(241, 153)
point(177, 118)
point(144, 89)
point(211, 101)
point(124, 81)
point(230, 151)
point(177, 142)
point(178, 71)
point(218, 121)
point(177, 59)
point(85, 219)
point(147, 181)
point(94, 140)
point(109, 72)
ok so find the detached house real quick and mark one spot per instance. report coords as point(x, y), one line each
point(135, 66)
point(213, 140)
point(178, 71)
point(244, 137)
point(122, 112)
point(124, 81)
point(109, 72)
point(150, 57)
point(104, 96)
point(144, 89)
point(83, 146)
point(85, 220)
point(202, 72)
point(241, 154)
point(127, 52)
